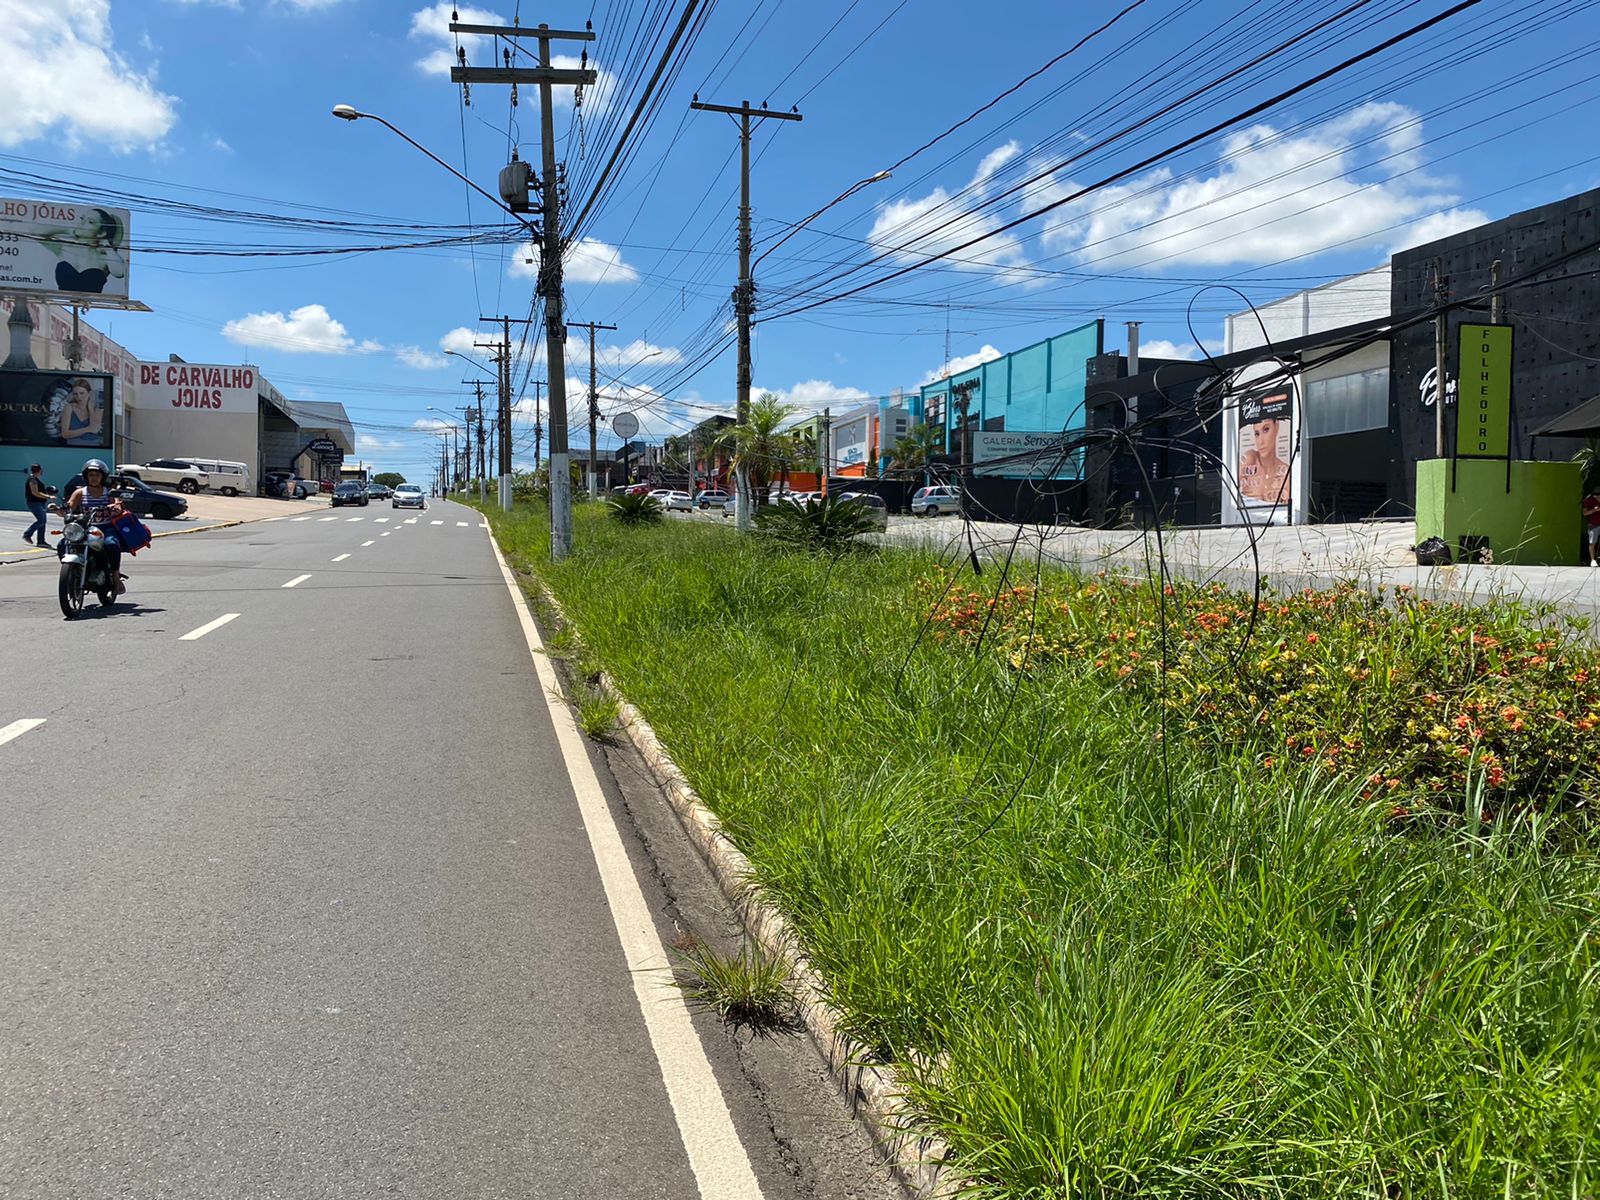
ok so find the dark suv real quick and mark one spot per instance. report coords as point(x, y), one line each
point(350, 493)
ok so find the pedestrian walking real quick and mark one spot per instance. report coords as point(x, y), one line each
point(1591, 514)
point(36, 495)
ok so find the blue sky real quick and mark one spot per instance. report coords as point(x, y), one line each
point(226, 105)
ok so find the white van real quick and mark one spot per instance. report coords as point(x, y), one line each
point(229, 478)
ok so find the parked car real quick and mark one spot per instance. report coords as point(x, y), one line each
point(730, 507)
point(678, 501)
point(875, 508)
point(377, 491)
point(229, 478)
point(142, 500)
point(801, 498)
point(931, 501)
point(175, 472)
point(409, 495)
point(661, 495)
point(350, 493)
point(709, 497)
point(287, 483)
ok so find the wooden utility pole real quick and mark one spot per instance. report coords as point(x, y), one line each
point(594, 401)
point(744, 295)
point(545, 76)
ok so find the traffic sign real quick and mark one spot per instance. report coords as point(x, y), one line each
point(625, 425)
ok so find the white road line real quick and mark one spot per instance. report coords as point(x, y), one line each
point(266, 520)
point(411, 520)
point(327, 518)
point(365, 544)
point(340, 557)
point(194, 635)
point(379, 520)
point(461, 524)
point(297, 580)
point(435, 522)
point(485, 525)
point(17, 728)
point(718, 1159)
point(299, 518)
point(355, 518)
point(386, 533)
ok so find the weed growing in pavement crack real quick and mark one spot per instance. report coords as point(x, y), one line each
point(748, 990)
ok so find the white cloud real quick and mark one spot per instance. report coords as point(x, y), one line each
point(813, 395)
point(365, 441)
point(1272, 197)
point(309, 329)
point(432, 24)
point(462, 340)
point(59, 72)
point(618, 358)
point(218, 143)
point(420, 359)
point(1438, 225)
point(586, 261)
point(917, 227)
point(963, 362)
point(233, 4)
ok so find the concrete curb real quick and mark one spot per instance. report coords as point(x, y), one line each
point(873, 1091)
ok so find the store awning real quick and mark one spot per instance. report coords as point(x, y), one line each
point(1583, 421)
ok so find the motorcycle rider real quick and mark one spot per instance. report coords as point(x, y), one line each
point(96, 497)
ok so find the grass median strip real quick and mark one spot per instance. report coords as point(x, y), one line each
point(1149, 892)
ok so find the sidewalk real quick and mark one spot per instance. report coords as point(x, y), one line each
point(205, 512)
point(1373, 554)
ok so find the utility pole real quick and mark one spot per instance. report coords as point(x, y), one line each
point(1497, 302)
point(483, 480)
point(545, 76)
point(594, 400)
point(744, 295)
point(1441, 351)
point(538, 421)
point(963, 395)
point(824, 435)
point(500, 352)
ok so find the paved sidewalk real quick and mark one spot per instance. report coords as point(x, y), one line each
point(205, 512)
point(1370, 553)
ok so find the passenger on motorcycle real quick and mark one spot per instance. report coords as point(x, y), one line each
point(96, 498)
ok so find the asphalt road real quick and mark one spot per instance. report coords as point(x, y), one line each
point(304, 906)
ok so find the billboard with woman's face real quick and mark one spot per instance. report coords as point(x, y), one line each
point(46, 246)
point(1266, 446)
point(55, 408)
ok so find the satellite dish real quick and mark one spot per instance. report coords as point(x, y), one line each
point(625, 425)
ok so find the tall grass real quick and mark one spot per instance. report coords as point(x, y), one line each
point(1245, 984)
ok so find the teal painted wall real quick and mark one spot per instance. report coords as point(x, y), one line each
point(60, 464)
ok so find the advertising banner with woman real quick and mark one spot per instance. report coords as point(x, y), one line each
point(55, 408)
point(1266, 446)
point(75, 249)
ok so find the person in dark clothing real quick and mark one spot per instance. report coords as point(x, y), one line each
point(36, 495)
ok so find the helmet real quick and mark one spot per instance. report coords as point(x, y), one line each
point(95, 464)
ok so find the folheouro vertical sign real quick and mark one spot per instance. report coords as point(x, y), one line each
point(1483, 413)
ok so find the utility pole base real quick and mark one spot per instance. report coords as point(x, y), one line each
point(505, 493)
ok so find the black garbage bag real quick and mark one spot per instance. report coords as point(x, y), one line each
point(1433, 552)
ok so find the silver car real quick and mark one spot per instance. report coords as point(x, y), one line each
point(931, 501)
point(678, 502)
point(877, 511)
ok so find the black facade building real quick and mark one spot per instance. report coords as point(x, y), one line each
point(1550, 272)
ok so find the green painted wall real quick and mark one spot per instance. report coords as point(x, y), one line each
point(1538, 523)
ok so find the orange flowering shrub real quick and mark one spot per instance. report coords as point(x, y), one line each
point(1422, 701)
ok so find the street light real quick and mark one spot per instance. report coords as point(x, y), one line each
point(470, 359)
point(839, 199)
point(454, 429)
point(346, 112)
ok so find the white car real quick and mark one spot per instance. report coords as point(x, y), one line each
point(408, 495)
point(661, 496)
point(931, 501)
point(173, 472)
point(677, 502)
point(876, 510)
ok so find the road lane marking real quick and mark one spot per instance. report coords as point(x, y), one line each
point(265, 520)
point(411, 520)
point(386, 533)
point(355, 518)
point(716, 1156)
point(327, 518)
point(365, 544)
point(485, 525)
point(340, 557)
point(17, 728)
point(299, 518)
point(297, 580)
point(435, 522)
point(379, 520)
point(194, 635)
point(461, 524)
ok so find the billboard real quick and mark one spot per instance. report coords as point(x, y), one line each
point(1266, 445)
point(1023, 453)
point(55, 408)
point(47, 246)
point(1483, 418)
point(198, 387)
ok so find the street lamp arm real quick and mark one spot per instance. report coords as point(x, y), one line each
point(839, 199)
point(469, 359)
point(347, 113)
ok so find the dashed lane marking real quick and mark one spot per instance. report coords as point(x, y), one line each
point(17, 728)
point(268, 520)
point(340, 557)
point(297, 581)
point(461, 524)
point(379, 520)
point(411, 520)
point(367, 543)
point(435, 522)
point(386, 533)
point(299, 518)
point(327, 518)
point(355, 518)
point(194, 635)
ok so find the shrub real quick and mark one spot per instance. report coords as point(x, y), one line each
point(830, 524)
point(635, 509)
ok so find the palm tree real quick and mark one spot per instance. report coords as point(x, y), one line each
point(912, 449)
point(760, 446)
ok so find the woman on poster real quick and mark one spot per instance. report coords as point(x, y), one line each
point(1263, 471)
point(92, 251)
point(79, 414)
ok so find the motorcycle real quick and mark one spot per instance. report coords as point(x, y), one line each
point(85, 565)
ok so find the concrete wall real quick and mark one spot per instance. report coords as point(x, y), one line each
point(1347, 301)
point(1537, 522)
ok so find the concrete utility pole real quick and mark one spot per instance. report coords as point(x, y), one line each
point(824, 434)
point(483, 480)
point(594, 400)
point(1497, 302)
point(744, 295)
point(545, 76)
point(1441, 351)
point(538, 421)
